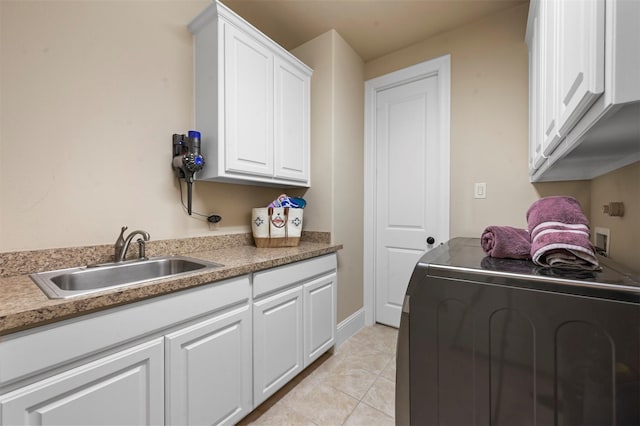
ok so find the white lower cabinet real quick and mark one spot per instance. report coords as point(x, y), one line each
point(206, 355)
point(183, 358)
point(209, 367)
point(319, 317)
point(277, 328)
point(124, 388)
point(294, 321)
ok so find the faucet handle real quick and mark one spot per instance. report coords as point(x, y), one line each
point(120, 240)
point(119, 245)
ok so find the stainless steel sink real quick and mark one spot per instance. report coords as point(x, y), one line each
point(65, 283)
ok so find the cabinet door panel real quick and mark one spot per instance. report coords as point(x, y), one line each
point(121, 389)
point(580, 59)
point(291, 122)
point(209, 364)
point(548, 26)
point(248, 101)
point(535, 99)
point(277, 325)
point(319, 317)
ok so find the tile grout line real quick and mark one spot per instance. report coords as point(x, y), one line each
point(361, 400)
point(354, 349)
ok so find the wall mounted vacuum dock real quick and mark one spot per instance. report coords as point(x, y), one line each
point(187, 159)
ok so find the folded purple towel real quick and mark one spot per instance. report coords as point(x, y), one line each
point(506, 242)
point(560, 234)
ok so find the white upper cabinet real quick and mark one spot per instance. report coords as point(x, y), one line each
point(584, 90)
point(549, 77)
point(535, 91)
point(248, 104)
point(580, 59)
point(292, 114)
point(535, 109)
point(252, 103)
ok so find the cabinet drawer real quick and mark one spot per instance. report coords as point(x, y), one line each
point(285, 276)
point(29, 352)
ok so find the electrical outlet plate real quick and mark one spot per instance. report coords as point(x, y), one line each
point(602, 240)
point(480, 190)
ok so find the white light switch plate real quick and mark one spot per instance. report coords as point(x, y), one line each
point(480, 190)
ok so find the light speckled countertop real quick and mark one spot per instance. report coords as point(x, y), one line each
point(23, 305)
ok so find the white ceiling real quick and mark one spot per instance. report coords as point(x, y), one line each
point(373, 28)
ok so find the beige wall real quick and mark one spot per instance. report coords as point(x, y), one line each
point(337, 157)
point(489, 119)
point(489, 135)
point(91, 93)
point(621, 185)
point(348, 161)
point(318, 54)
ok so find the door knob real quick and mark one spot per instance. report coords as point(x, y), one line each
point(431, 240)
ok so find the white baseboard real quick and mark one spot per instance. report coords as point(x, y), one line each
point(349, 327)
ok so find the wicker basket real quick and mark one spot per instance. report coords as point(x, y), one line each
point(276, 226)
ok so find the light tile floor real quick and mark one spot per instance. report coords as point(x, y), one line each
point(353, 385)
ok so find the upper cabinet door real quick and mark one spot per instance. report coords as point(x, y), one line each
point(580, 29)
point(248, 102)
point(292, 92)
point(570, 36)
point(548, 57)
point(535, 105)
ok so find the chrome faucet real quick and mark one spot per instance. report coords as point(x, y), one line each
point(122, 244)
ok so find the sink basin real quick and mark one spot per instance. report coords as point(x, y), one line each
point(65, 283)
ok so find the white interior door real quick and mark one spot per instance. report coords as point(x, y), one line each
point(411, 185)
